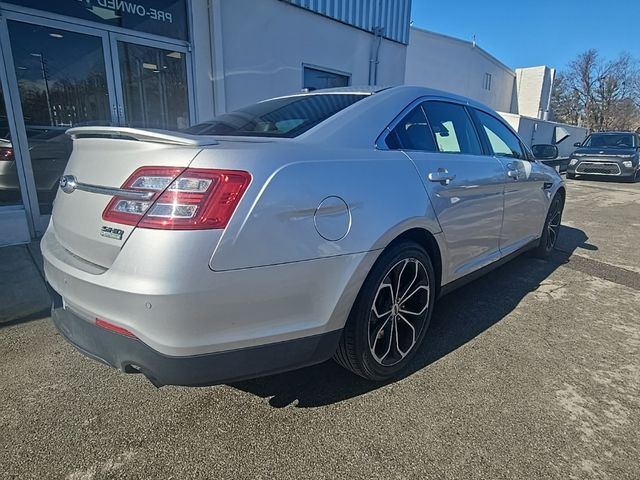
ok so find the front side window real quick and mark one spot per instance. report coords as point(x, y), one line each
point(285, 117)
point(412, 133)
point(452, 128)
point(503, 141)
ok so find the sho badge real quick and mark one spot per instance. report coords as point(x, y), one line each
point(110, 232)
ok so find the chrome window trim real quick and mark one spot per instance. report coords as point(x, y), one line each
point(380, 143)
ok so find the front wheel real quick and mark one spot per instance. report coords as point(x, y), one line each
point(633, 178)
point(391, 314)
point(551, 229)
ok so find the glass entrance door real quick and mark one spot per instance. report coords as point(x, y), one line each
point(62, 82)
point(152, 84)
point(64, 76)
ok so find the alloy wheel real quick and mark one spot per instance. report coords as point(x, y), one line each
point(399, 311)
point(553, 227)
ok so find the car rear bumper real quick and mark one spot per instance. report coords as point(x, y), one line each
point(176, 305)
point(131, 355)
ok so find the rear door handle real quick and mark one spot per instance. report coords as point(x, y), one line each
point(512, 171)
point(442, 176)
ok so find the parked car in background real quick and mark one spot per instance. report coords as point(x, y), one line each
point(49, 149)
point(300, 228)
point(610, 154)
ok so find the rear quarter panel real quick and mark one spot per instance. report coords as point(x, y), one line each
point(275, 224)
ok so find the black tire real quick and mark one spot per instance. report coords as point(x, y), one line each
point(368, 323)
point(571, 176)
point(633, 178)
point(551, 229)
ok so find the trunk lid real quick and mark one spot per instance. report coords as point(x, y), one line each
point(106, 157)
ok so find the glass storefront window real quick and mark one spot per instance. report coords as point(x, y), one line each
point(9, 186)
point(62, 81)
point(154, 86)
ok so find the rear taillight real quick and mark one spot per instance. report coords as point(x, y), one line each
point(6, 153)
point(190, 199)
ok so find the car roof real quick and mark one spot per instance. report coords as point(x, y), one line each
point(376, 89)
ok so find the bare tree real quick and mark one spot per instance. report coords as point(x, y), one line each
point(598, 94)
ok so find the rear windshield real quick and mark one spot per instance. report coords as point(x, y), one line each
point(280, 117)
point(614, 140)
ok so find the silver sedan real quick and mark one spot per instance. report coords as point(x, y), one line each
point(298, 229)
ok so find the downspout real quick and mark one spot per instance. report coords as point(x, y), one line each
point(375, 53)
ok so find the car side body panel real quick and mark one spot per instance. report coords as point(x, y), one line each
point(469, 208)
point(284, 217)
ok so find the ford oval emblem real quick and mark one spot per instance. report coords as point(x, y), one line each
point(68, 183)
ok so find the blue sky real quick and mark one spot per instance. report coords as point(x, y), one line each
point(528, 33)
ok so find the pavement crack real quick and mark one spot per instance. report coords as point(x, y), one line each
point(604, 271)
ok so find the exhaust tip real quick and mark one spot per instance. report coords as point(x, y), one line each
point(133, 368)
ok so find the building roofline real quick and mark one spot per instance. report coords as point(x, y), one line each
point(469, 44)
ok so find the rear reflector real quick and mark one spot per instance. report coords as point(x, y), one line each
point(114, 328)
point(190, 199)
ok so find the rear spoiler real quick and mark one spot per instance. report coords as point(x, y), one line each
point(142, 135)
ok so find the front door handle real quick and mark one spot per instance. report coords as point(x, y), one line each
point(442, 176)
point(512, 171)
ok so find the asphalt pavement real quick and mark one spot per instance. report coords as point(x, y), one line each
point(532, 371)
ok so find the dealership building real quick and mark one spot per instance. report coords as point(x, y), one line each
point(165, 64)
point(168, 64)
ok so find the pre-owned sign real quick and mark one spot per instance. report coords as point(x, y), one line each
point(161, 17)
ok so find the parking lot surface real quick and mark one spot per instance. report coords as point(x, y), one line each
point(532, 371)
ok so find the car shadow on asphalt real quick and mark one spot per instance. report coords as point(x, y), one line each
point(458, 318)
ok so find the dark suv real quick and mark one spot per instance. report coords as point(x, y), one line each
point(612, 154)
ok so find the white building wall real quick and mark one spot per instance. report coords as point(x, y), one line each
point(534, 85)
point(450, 64)
point(261, 47)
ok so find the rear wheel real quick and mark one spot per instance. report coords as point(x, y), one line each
point(391, 314)
point(551, 229)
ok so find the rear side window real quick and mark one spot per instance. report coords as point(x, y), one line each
point(503, 142)
point(281, 117)
point(412, 133)
point(452, 128)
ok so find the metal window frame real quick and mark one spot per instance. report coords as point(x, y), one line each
point(16, 144)
point(324, 69)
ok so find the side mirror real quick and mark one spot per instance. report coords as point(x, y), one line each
point(544, 152)
point(577, 144)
